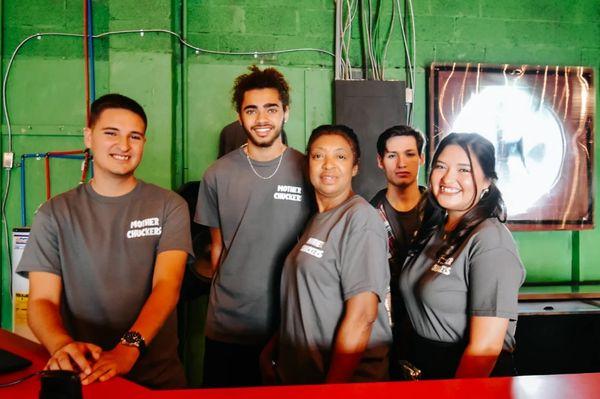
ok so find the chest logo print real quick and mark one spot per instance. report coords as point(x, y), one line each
point(288, 193)
point(443, 266)
point(313, 247)
point(144, 227)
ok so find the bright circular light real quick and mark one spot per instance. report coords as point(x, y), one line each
point(529, 142)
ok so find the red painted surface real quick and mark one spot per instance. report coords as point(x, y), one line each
point(572, 386)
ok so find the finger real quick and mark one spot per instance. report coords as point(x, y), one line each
point(79, 358)
point(108, 375)
point(64, 362)
point(51, 365)
point(96, 373)
point(94, 350)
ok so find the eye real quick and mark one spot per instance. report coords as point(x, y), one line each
point(136, 137)
point(411, 154)
point(316, 156)
point(250, 111)
point(390, 155)
point(272, 111)
point(342, 157)
point(110, 133)
point(464, 170)
point(439, 166)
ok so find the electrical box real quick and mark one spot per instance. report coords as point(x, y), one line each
point(369, 107)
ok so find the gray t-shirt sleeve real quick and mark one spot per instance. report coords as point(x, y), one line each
point(207, 207)
point(176, 227)
point(494, 280)
point(41, 252)
point(364, 263)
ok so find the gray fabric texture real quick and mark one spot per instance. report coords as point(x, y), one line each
point(484, 280)
point(342, 253)
point(260, 221)
point(104, 249)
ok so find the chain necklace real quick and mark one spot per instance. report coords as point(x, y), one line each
point(254, 170)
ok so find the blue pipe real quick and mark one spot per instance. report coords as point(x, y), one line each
point(23, 191)
point(90, 39)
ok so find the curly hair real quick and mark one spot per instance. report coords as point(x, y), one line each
point(269, 78)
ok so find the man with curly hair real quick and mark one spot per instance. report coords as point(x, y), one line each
point(255, 202)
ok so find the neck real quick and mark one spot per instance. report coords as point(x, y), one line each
point(452, 221)
point(265, 154)
point(403, 199)
point(113, 187)
point(325, 204)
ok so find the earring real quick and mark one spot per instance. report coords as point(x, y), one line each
point(484, 192)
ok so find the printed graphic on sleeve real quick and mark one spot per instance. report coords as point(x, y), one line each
point(144, 228)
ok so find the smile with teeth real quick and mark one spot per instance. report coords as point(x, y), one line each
point(449, 190)
point(262, 130)
point(120, 157)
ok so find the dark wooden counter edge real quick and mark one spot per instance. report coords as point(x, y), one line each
point(559, 292)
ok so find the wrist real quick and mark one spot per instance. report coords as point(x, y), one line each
point(59, 343)
point(134, 339)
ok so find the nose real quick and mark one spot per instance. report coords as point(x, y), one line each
point(401, 161)
point(328, 162)
point(261, 116)
point(449, 176)
point(124, 143)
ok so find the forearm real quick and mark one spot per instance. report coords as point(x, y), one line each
point(477, 361)
point(159, 305)
point(349, 345)
point(46, 323)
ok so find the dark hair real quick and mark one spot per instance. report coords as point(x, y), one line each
point(338, 130)
point(490, 204)
point(399, 130)
point(269, 78)
point(113, 100)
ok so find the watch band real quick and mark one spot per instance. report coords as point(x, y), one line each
point(135, 339)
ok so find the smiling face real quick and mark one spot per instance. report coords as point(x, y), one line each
point(117, 142)
point(331, 167)
point(401, 161)
point(455, 182)
point(262, 115)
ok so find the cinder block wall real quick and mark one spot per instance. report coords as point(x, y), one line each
point(187, 94)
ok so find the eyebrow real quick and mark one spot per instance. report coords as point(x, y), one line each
point(268, 105)
point(117, 129)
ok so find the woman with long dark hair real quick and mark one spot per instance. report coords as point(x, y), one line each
point(460, 282)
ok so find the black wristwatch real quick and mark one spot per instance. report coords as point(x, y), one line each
point(134, 338)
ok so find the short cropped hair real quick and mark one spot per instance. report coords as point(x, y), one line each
point(269, 78)
point(399, 130)
point(111, 101)
point(338, 130)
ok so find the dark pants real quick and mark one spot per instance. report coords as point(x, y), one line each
point(231, 365)
point(439, 360)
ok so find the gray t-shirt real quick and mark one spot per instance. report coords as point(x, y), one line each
point(104, 250)
point(342, 253)
point(260, 220)
point(483, 280)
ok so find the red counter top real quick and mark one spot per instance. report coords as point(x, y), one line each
point(572, 386)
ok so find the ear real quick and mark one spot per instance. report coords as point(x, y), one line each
point(87, 137)
point(354, 170)
point(286, 114)
point(422, 159)
point(379, 161)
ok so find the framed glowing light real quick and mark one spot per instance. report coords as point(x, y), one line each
point(541, 122)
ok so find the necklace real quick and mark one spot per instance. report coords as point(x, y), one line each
point(254, 170)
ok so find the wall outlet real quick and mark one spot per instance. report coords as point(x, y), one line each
point(8, 159)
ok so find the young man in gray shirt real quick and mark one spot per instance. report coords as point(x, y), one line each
point(105, 262)
point(255, 202)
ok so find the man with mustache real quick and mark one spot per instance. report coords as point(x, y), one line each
point(254, 201)
point(399, 155)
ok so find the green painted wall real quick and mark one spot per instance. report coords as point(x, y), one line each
point(186, 95)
